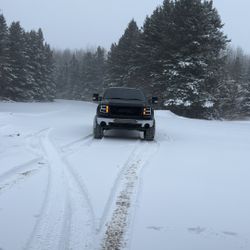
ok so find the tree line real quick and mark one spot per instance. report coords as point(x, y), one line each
point(180, 54)
point(26, 64)
point(79, 74)
point(234, 87)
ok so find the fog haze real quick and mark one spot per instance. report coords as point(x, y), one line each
point(81, 23)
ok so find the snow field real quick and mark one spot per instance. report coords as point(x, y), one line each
point(61, 189)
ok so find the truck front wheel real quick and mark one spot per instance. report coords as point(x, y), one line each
point(98, 131)
point(149, 133)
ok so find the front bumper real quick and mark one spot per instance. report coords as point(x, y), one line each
point(120, 122)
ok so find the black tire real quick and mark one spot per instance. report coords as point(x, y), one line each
point(98, 131)
point(149, 134)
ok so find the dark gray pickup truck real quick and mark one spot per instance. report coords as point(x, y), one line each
point(124, 108)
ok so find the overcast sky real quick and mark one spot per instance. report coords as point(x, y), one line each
point(89, 23)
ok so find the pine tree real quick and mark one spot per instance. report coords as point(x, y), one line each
point(155, 50)
point(74, 77)
point(233, 93)
point(49, 74)
point(193, 72)
point(26, 64)
point(87, 75)
point(33, 65)
point(240, 75)
point(122, 59)
point(17, 88)
point(245, 108)
point(4, 60)
point(177, 56)
point(40, 65)
point(80, 73)
point(63, 88)
point(100, 64)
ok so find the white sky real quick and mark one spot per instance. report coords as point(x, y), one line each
point(86, 23)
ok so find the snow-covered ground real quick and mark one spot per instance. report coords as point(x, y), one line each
point(61, 189)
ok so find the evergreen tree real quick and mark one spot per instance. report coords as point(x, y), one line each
point(233, 95)
point(62, 58)
point(17, 88)
point(100, 64)
point(122, 59)
point(33, 65)
point(240, 77)
point(26, 64)
point(177, 56)
point(40, 66)
point(245, 108)
point(4, 60)
point(74, 77)
point(49, 74)
point(193, 72)
point(87, 76)
point(155, 50)
point(80, 73)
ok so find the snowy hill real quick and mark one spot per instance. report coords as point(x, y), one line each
point(61, 189)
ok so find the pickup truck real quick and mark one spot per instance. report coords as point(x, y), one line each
point(124, 108)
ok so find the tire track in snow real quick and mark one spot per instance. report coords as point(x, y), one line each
point(116, 184)
point(82, 227)
point(50, 220)
point(66, 220)
point(18, 169)
point(33, 144)
point(139, 152)
point(116, 234)
point(73, 229)
point(76, 145)
point(16, 173)
point(19, 174)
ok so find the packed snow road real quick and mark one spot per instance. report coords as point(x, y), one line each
point(61, 189)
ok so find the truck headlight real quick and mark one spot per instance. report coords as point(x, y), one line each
point(147, 111)
point(104, 109)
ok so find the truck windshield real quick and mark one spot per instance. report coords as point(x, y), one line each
point(124, 94)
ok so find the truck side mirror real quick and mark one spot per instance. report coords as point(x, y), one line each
point(154, 100)
point(95, 98)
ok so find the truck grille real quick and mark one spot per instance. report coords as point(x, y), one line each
point(126, 111)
